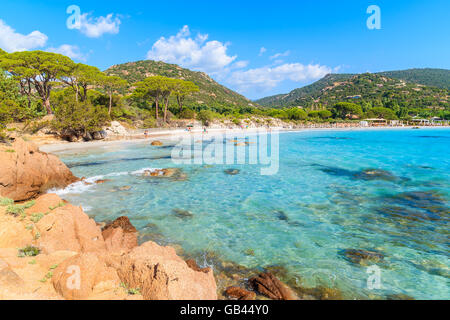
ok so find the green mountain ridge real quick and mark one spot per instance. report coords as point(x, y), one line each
point(430, 77)
point(418, 84)
point(211, 93)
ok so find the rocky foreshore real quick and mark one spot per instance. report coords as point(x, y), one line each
point(51, 249)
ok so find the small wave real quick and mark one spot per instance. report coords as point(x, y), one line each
point(88, 183)
point(143, 170)
point(87, 208)
point(74, 188)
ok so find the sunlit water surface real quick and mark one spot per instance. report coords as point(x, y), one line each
point(303, 218)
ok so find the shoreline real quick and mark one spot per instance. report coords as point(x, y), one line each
point(62, 146)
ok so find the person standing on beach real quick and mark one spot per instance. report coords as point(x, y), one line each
point(146, 134)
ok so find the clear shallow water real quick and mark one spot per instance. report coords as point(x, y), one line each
point(302, 218)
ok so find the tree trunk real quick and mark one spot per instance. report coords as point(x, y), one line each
point(165, 109)
point(156, 105)
point(110, 103)
point(180, 103)
point(47, 105)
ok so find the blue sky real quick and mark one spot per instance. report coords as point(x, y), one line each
point(257, 48)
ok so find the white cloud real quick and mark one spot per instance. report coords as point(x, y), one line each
point(194, 53)
point(240, 64)
point(278, 55)
point(96, 27)
point(262, 51)
point(12, 41)
point(71, 51)
point(269, 77)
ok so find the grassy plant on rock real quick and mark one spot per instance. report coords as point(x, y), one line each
point(28, 251)
point(6, 202)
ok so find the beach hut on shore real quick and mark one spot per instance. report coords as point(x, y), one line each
point(420, 122)
point(376, 122)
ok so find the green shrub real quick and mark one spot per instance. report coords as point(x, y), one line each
point(36, 217)
point(130, 291)
point(187, 113)
point(149, 123)
point(29, 204)
point(28, 251)
point(79, 118)
point(19, 209)
point(15, 209)
point(6, 202)
point(381, 112)
point(236, 122)
point(325, 114)
point(296, 114)
point(59, 205)
point(207, 116)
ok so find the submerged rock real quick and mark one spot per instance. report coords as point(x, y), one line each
point(249, 252)
point(399, 296)
point(281, 215)
point(366, 174)
point(232, 172)
point(420, 199)
point(416, 206)
point(180, 213)
point(27, 172)
point(101, 181)
point(323, 293)
point(359, 256)
point(173, 173)
point(268, 285)
point(240, 293)
point(194, 266)
point(157, 143)
point(375, 174)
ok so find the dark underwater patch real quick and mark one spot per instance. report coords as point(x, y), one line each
point(365, 174)
point(232, 172)
point(281, 215)
point(361, 257)
point(332, 138)
point(416, 206)
point(433, 137)
point(183, 214)
point(99, 163)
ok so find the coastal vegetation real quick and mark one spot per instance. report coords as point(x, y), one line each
point(43, 89)
point(370, 92)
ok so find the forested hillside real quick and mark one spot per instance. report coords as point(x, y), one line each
point(211, 93)
point(368, 91)
point(431, 77)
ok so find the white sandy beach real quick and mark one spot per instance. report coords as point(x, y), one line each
point(178, 133)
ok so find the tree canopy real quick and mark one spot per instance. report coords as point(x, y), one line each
point(38, 70)
point(160, 89)
point(344, 110)
point(110, 84)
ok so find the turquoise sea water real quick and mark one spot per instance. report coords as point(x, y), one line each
point(318, 205)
